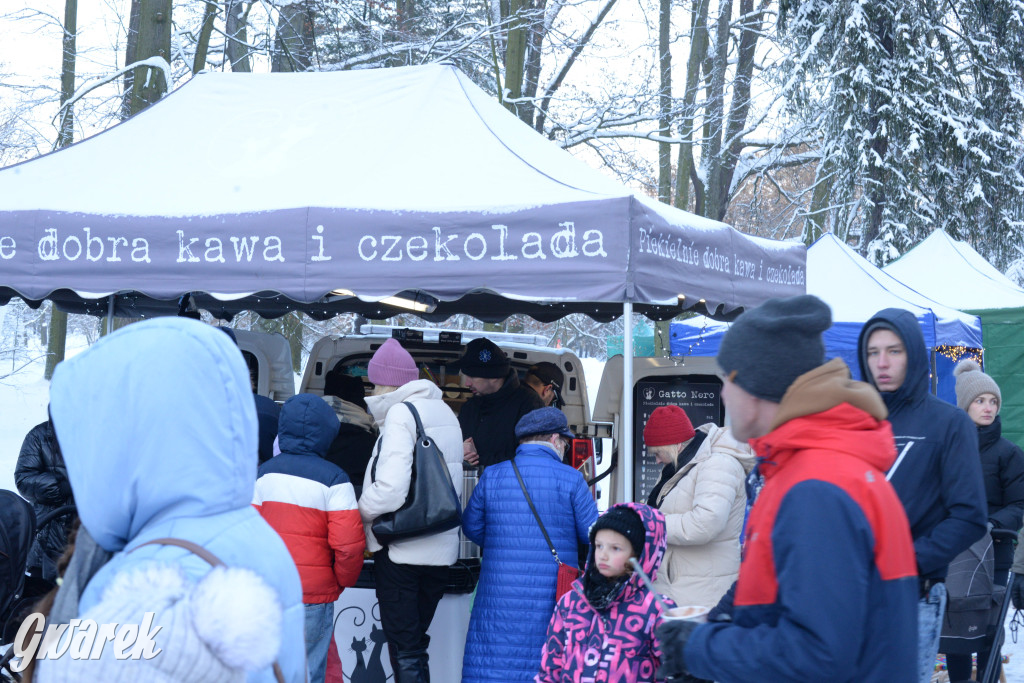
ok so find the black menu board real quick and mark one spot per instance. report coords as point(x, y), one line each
point(699, 395)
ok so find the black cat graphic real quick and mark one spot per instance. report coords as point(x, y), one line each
point(373, 672)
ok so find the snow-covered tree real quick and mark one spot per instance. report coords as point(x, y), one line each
point(918, 109)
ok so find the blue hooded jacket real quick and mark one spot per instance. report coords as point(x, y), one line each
point(158, 429)
point(937, 474)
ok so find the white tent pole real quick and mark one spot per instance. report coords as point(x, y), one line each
point(110, 314)
point(626, 425)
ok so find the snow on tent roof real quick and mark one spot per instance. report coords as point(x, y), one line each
point(330, 191)
point(951, 271)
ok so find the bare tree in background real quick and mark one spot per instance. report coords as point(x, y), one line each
point(56, 339)
point(294, 41)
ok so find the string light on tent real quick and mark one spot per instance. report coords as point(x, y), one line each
point(956, 353)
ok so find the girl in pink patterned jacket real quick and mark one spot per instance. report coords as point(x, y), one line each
point(602, 630)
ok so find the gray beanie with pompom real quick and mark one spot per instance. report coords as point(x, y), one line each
point(971, 383)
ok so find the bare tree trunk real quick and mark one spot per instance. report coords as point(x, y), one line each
point(875, 186)
point(406, 15)
point(750, 29)
point(66, 133)
point(154, 40)
point(57, 336)
point(814, 225)
point(129, 58)
point(293, 44)
point(515, 53)
point(534, 43)
point(715, 113)
point(698, 49)
point(205, 32)
point(665, 101)
point(237, 46)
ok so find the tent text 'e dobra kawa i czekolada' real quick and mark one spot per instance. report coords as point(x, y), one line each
point(330, 192)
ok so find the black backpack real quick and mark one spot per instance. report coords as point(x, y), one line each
point(972, 608)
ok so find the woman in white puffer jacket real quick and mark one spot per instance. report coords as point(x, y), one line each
point(703, 502)
point(411, 574)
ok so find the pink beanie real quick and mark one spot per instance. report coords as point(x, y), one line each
point(392, 366)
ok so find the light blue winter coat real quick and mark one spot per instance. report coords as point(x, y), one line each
point(516, 594)
point(158, 430)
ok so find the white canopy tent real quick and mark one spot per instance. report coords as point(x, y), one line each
point(952, 272)
point(855, 290)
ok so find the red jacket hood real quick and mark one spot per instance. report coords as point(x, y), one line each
point(824, 408)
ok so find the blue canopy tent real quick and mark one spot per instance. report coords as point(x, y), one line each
point(856, 290)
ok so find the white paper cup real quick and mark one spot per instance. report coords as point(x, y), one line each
point(698, 613)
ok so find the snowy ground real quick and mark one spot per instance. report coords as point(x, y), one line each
point(24, 396)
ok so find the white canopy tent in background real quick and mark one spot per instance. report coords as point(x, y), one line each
point(952, 272)
point(351, 191)
point(855, 290)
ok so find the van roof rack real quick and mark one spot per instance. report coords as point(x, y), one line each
point(433, 335)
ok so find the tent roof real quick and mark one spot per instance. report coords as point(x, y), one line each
point(856, 290)
point(964, 281)
point(330, 191)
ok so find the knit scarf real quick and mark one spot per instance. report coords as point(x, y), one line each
point(601, 591)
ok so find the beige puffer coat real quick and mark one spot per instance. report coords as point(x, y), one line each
point(704, 505)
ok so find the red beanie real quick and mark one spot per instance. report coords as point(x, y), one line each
point(667, 425)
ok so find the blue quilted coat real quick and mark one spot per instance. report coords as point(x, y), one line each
point(516, 594)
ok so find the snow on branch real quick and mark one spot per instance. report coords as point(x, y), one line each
point(153, 63)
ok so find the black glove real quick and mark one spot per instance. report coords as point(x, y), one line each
point(1017, 592)
point(672, 636)
point(723, 610)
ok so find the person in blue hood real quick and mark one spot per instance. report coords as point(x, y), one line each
point(158, 429)
point(937, 473)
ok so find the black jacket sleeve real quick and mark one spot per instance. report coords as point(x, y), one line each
point(35, 479)
point(1011, 481)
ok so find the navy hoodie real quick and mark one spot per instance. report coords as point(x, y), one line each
point(937, 474)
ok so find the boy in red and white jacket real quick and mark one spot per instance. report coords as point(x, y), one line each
point(312, 506)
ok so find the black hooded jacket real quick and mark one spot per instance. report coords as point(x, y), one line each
point(937, 473)
point(42, 479)
point(1002, 465)
point(491, 419)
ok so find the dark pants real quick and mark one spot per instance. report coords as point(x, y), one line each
point(959, 666)
point(408, 595)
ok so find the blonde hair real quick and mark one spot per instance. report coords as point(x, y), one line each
point(671, 450)
point(381, 389)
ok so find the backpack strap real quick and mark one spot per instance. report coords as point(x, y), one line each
point(213, 560)
point(193, 548)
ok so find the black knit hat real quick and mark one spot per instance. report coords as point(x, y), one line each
point(484, 359)
point(768, 347)
point(627, 522)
